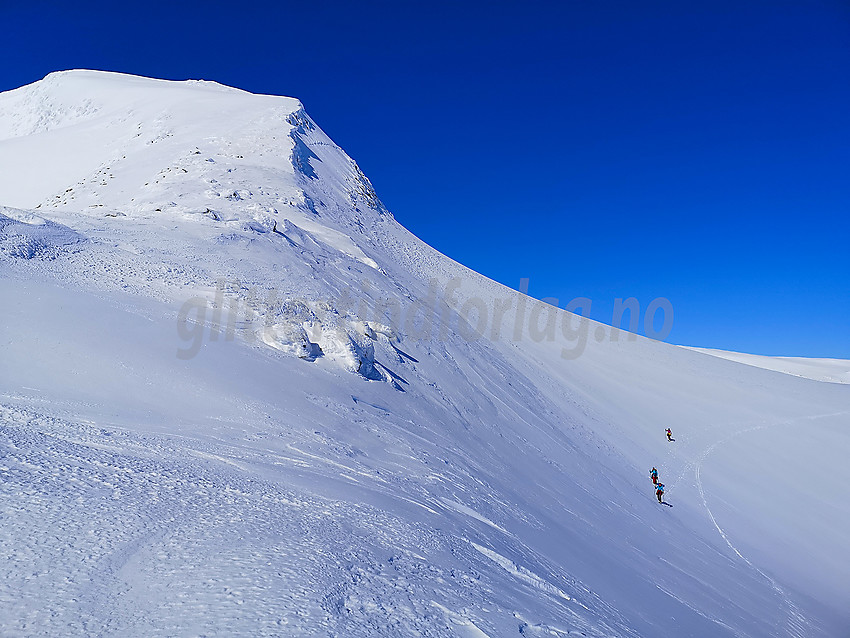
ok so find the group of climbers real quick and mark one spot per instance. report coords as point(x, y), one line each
point(659, 486)
point(653, 474)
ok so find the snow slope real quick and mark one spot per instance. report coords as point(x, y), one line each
point(829, 370)
point(238, 398)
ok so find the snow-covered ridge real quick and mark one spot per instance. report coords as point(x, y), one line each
point(87, 139)
point(109, 143)
point(66, 98)
point(828, 370)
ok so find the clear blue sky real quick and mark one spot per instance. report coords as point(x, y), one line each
point(698, 151)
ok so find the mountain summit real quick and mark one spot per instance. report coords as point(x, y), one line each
point(86, 140)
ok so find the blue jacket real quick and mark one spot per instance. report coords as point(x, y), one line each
point(659, 488)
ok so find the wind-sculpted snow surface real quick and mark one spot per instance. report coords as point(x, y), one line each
point(238, 398)
point(121, 534)
point(25, 236)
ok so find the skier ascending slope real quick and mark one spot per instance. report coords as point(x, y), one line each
point(654, 476)
point(659, 491)
point(669, 434)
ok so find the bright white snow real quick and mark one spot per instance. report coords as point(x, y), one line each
point(222, 411)
point(830, 370)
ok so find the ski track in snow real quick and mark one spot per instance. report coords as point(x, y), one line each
point(796, 625)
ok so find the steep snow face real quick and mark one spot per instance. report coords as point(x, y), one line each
point(234, 392)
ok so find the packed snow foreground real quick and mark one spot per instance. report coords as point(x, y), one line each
point(238, 398)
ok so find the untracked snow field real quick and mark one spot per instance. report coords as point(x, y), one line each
point(237, 398)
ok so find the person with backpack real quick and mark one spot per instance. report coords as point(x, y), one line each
point(659, 491)
point(654, 476)
point(669, 434)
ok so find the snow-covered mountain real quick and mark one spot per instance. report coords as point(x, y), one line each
point(238, 398)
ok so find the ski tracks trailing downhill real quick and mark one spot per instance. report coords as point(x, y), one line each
point(796, 624)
